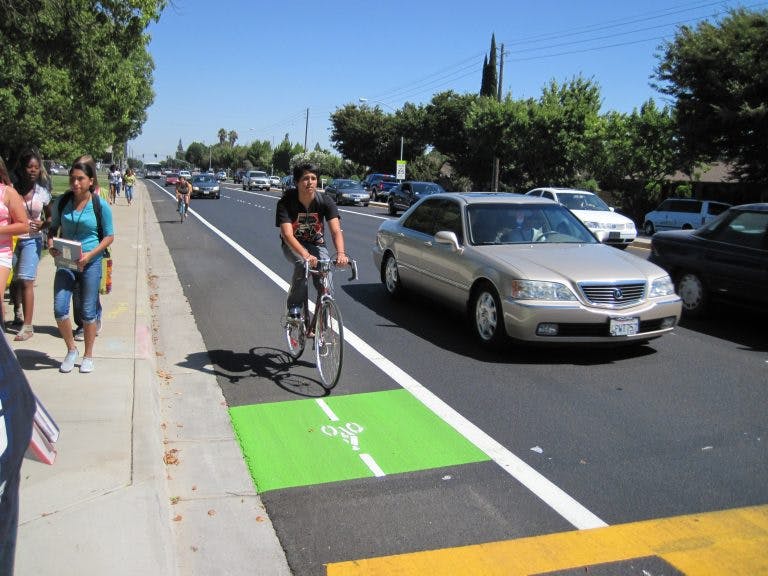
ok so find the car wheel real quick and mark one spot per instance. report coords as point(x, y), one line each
point(243, 186)
point(392, 209)
point(649, 229)
point(391, 277)
point(365, 205)
point(693, 293)
point(487, 316)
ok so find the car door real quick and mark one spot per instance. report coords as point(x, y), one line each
point(415, 235)
point(736, 258)
point(443, 267)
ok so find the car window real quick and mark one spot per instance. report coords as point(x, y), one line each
point(716, 208)
point(687, 206)
point(746, 229)
point(448, 218)
point(422, 219)
point(523, 224)
point(547, 194)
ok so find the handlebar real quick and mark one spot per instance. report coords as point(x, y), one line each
point(327, 264)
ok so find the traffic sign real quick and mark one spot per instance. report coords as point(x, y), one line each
point(401, 169)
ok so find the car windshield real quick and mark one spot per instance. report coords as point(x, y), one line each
point(491, 224)
point(349, 184)
point(426, 188)
point(204, 179)
point(582, 202)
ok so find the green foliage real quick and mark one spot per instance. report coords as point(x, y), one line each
point(76, 77)
point(490, 79)
point(717, 75)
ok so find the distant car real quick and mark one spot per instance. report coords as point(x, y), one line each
point(618, 230)
point(370, 180)
point(171, 179)
point(238, 177)
point(205, 186)
point(726, 259)
point(274, 181)
point(345, 191)
point(256, 179)
point(682, 214)
point(221, 175)
point(561, 286)
point(186, 174)
point(407, 193)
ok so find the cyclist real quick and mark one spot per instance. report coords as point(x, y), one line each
point(300, 215)
point(183, 191)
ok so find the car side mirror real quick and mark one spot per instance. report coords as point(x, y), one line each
point(447, 237)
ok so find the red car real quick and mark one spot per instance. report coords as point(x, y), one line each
point(171, 179)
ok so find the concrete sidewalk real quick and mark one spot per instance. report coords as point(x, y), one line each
point(149, 478)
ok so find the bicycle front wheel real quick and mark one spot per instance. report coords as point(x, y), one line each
point(295, 337)
point(329, 342)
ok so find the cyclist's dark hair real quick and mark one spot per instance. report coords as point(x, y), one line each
point(300, 169)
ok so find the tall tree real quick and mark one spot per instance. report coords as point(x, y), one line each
point(717, 75)
point(222, 135)
point(76, 76)
point(490, 75)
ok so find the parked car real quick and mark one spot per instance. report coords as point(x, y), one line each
point(407, 193)
point(726, 259)
point(171, 179)
point(286, 182)
point(594, 212)
point(256, 179)
point(205, 186)
point(563, 286)
point(682, 214)
point(345, 191)
point(380, 189)
point(221, 175)
point(274, 181)
point(238, 177)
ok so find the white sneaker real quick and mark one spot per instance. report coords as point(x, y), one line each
point(69, 361)
point(80, 334)
point(86, 365)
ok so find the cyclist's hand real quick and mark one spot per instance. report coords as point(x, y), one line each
point(341, 259)
point(312, 261)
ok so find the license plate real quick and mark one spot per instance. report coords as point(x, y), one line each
point(614, 235)
point(206, 192)
point(625, 326)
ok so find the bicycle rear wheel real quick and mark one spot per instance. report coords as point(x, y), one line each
point(329, 342)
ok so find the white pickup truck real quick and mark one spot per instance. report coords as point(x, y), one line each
point(256, 179)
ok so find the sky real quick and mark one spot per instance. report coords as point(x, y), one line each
point(274, 67)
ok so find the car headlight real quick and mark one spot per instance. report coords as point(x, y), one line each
point(215, 189)
point(538, 290)
point(196, 188)
point(662, 287)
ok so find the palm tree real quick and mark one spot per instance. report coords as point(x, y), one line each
point(233, 136)
point(222, 135)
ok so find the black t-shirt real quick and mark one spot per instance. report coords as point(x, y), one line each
point(307, 225)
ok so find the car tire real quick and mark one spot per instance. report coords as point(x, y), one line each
point(649, 229)
point(365, 205)
point(693, 294)
point(390, 276)
point(392, 209)
point(487, 316)
point(243, 186)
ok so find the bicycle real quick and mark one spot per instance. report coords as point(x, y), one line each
point(326, 326)
point(182, 209)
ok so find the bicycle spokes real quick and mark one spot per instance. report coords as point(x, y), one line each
point(329, 343)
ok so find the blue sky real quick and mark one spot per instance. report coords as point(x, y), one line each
point(257, 67)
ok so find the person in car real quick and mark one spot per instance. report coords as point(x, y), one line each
point(301, 213)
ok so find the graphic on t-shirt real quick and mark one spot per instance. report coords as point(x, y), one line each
point(308, 227)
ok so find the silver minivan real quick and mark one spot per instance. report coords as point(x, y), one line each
point(682, 213)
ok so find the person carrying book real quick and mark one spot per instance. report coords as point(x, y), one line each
point(77, 221)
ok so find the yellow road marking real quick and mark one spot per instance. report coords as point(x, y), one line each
point(733, 542)
point(119, 310)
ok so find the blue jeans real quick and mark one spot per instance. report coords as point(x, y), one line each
point(129, 192)
point(27, 257)
point(87, 284)
point(298, 291)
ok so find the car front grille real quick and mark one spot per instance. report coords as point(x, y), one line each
point(618, 295)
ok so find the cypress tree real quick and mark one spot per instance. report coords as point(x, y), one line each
point(484, 80)
point(493, 78)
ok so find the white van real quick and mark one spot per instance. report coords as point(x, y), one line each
point(682, 213)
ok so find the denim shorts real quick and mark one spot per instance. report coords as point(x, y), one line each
point(26, 258)
point(64, 284)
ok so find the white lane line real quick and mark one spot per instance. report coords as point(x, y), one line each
point(372, 466)
point(327, 409)
point(556, 498)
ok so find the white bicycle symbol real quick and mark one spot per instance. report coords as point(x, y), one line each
point(348, 433)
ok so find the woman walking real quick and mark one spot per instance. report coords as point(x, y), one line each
point(129, 180)
point(13, 221)
point(29, 246)
point(77, 221)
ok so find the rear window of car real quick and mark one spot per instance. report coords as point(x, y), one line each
point(716, 208)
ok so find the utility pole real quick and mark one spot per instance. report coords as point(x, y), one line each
point(496, 167)
point(306, 128)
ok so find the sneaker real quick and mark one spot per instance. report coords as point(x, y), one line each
point(80, 334)
point(294, 312)
point(86, 365)
point(69, 361)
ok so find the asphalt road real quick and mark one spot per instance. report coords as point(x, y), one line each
point(579, 437)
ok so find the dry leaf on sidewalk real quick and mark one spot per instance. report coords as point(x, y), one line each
point(170, 457)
